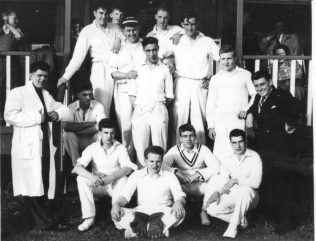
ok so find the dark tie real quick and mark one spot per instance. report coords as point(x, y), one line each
point(277, 41)
point(262, 100)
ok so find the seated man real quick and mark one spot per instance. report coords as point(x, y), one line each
point(160, 200)
point(234, 191)
point(110, 166)
point(194, 164)
point(82, 130)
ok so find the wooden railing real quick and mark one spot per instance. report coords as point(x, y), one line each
point(293, 60)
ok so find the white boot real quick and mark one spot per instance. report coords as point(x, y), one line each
point(231, 231)
point(86, 224)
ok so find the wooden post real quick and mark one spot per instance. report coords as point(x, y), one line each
point(239, 32)
point(67, 26)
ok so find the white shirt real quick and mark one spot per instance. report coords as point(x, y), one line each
point(130, 57)
point(162, 189)
point(164, 37)
point(192, 57)
point(98, 42)
point(199, 160)
point(228, 94)
point(152, 85)
point(248, 171)
point(106, 162)
point(94, 113)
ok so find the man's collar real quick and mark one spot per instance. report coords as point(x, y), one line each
point(155, 29)
point(193, 150)
point(115, 143)
point(77, 103)
point(145, 172)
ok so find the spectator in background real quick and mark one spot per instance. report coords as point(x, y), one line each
point(280, 37)
point(284, 72)
point(76, 27)
point(82, 129)
point(11, 39)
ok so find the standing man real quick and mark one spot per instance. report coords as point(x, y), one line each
point(160, 200)
point(123, 67)
point(110, 166)
point(276, 113)
point(99, 40)
point(31, 110)
point(193, 164)
point(234, 191)
point(164, 32)
point(116, 17)
point(227, 101)
point(82, 129)
point(150, 92)
point(192, 58)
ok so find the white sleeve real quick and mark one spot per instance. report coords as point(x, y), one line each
point(130, 186)
point(169, 84)
point(212, 165)
point(124, 159)
point(63, 112)
point(175, 187)
point(99, 112)
point(251, 91)
point(214, 50)
point(79, 54)
point(86, 156)
point(255, 177)
point(211, 105)
point(15, 115)
point(168, 161)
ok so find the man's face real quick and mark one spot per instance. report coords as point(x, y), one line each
point(13, 19)
point(262, 86)
point(131, 33)
point(190, 26)
point(107, 135)
point(76, 29)
point(116, 16)
point(162, 18)
point(85, 97)
point(279, 28)
point(238, 144)
point(101, 16)
point(151, 52)
point(39, 78)
point(187, 138)
point(153, 163)
point(228, 61)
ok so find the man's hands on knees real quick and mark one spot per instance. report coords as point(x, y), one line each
point(178, 210)
point(116, 212)
point(106, 179)
point(212, 133)
point(229, 185)
point(215, 197)
point(96, 180)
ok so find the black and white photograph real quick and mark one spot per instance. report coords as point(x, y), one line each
point(181, 120)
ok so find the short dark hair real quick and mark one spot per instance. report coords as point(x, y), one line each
point(188, 15)
point(261, 74)
point(163, 7)
point(100, 5)
point(186, 127)
point(106, 123)
point(39, 65)
point(236, 133)
point(116, 7)
point(7, 12)
point(154, 150)
point(227, 48)
point(82, 86)
point(149, 40)
point(281, 46)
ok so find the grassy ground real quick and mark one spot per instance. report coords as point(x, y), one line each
point(260, 227)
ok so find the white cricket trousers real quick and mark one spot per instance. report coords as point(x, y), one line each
point(224, 124)
point(124, 113)
point(103, 85)
point(169, 220)
point(75, 144)
point(149, 125)
point(233, 206)
point(87, 192)
point(189, 104)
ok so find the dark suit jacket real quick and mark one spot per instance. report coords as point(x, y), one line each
point(279, 108)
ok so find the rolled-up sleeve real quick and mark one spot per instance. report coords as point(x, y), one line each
point(212, 166)
point(130, 186)
point(86, 157)
point(175, 187)
point(124, 159)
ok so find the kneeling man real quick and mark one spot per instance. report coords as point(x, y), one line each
point(193, 163)
point(160, 200)
point(234, 191)
point(110, 166)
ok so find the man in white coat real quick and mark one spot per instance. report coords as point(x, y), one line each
point(231, 194)
point(31, 110)
point(99, 39)
point(192, 58)
point(228, 100)
point(123, 68)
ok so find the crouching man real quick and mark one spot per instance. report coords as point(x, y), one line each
point(110, 166)
point(160, 200)
point(234, 191)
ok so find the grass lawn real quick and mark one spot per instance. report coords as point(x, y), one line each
point(260, 228)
